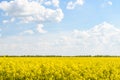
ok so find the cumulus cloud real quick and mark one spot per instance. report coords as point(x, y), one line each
point(48, 3)
point(40, 28)
point(32, 10)
point(102, 39)
point(72, 5)
point(55, 3)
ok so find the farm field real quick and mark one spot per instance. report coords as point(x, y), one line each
point(59, 68)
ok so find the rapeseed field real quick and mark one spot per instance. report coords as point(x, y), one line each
point(59, 68)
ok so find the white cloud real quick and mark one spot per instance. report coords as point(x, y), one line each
point(0, 32)
point(72, 5)
point(48, 3)
point(109, 2)
point(30, 45)
point(12, 19)
point(29, 11)
point(5, 21)
point(40, 28)
point(102, 39)
point(27, 32)
point(8, 21)
point(56, 3)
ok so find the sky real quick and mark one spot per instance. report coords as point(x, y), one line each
point(59, 27)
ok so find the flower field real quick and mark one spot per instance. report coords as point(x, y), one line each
point(59, 68)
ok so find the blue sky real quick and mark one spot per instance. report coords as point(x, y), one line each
point(59, 27)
